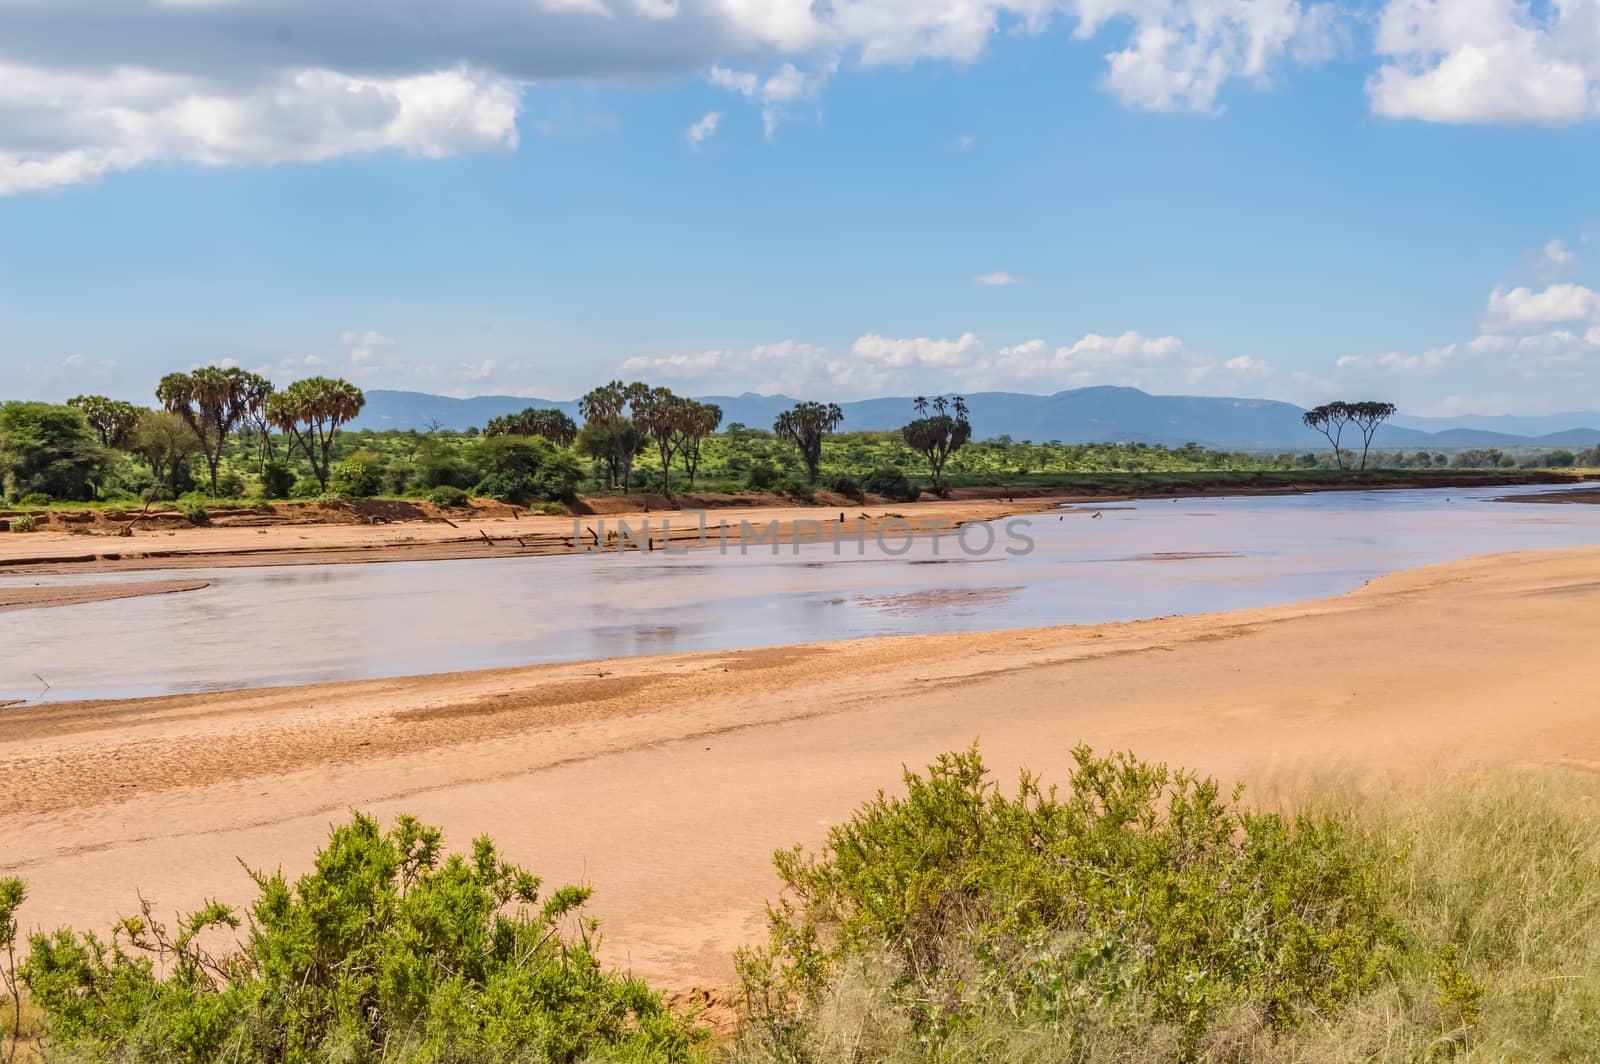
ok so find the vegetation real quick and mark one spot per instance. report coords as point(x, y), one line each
point(49, 450)
point(388, 950)
point(805, 426)
point(1331, 419)
point(213, 402)
point(1139, 917)
point(245, 439)
point(938, 435)
point(310, 413)
point(1137, 914)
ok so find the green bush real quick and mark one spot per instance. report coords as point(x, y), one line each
point(528, 468)
point(845, 484)
point(277, 479)
point(357, 477)
point(892, 484)
point(798, 489)
point(193, 508)
point(24, 523)
point(763, 475)
point(447, 498)
point(34, 499)
point(230, 485)
point(387, 951)
point(1141, 901)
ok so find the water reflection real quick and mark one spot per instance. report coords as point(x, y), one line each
point(300, 624)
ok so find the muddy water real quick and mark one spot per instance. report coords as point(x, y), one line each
point(302, 624)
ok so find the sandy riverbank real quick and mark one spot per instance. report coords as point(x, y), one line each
point(667, 782)
point(391, 530)
point(498, 536)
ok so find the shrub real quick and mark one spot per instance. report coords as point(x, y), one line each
point(277, 479)
point(388, 950)
point(763, 475)
point(230, 485)
point(524, 469)
point(193, 508)
point(845, 484)
point(447, 498)
point(892, 484)
point(798, 489)
point(1142, 901)
point(35, 498)
point(357, 477)
point(24, 523)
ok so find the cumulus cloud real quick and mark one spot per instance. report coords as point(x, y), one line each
point(1180, 55)
point(998, 278)
point(89, 87)
point(1554, 304)
point(1488, 61)
point(877, 365)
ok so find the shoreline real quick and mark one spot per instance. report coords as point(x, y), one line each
point(668, 781)
point(505, 532)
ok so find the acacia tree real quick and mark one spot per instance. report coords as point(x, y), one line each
point(112, 419)
point(1331, 419)
point(213, 402)
point(701, 421)
point(168, 446)
point(805, 426)
point(550, 423)
point(311, 412)
point(939, 434)
point(1368, 417)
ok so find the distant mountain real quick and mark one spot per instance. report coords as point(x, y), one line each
point(1082, 415)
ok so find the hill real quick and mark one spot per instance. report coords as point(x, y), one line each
point(1081, 415)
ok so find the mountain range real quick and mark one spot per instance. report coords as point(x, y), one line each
point(1081, 415)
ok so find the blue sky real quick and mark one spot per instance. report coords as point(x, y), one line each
point(1249, 197)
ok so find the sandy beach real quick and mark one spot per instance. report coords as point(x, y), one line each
point(667, 782)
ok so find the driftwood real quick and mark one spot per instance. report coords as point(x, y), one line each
point(127, 529)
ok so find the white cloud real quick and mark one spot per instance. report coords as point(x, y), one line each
point(363, 345)
point(966, 141)
point(997, 278)
point(1556, 257)
point(1429, 362)
point(1488, 61)
point(703, 129)
point(1552, 305)
point(1179, 55)
point(90, 87)
point(787, 85)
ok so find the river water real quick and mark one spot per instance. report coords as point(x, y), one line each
point(309, 623)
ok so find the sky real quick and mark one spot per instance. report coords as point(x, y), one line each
point(833, 199)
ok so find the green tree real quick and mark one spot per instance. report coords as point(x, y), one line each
point(113, 419)
point(615, 443)
point(310, 412)
point(663, 418)
point(1330, 419)
point(700, 422)
point(550, 423)
point(214, 402)
point(1368, 417)
point(938, 435)
point(806, 426)
point(49, 449)
point(168, 446)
